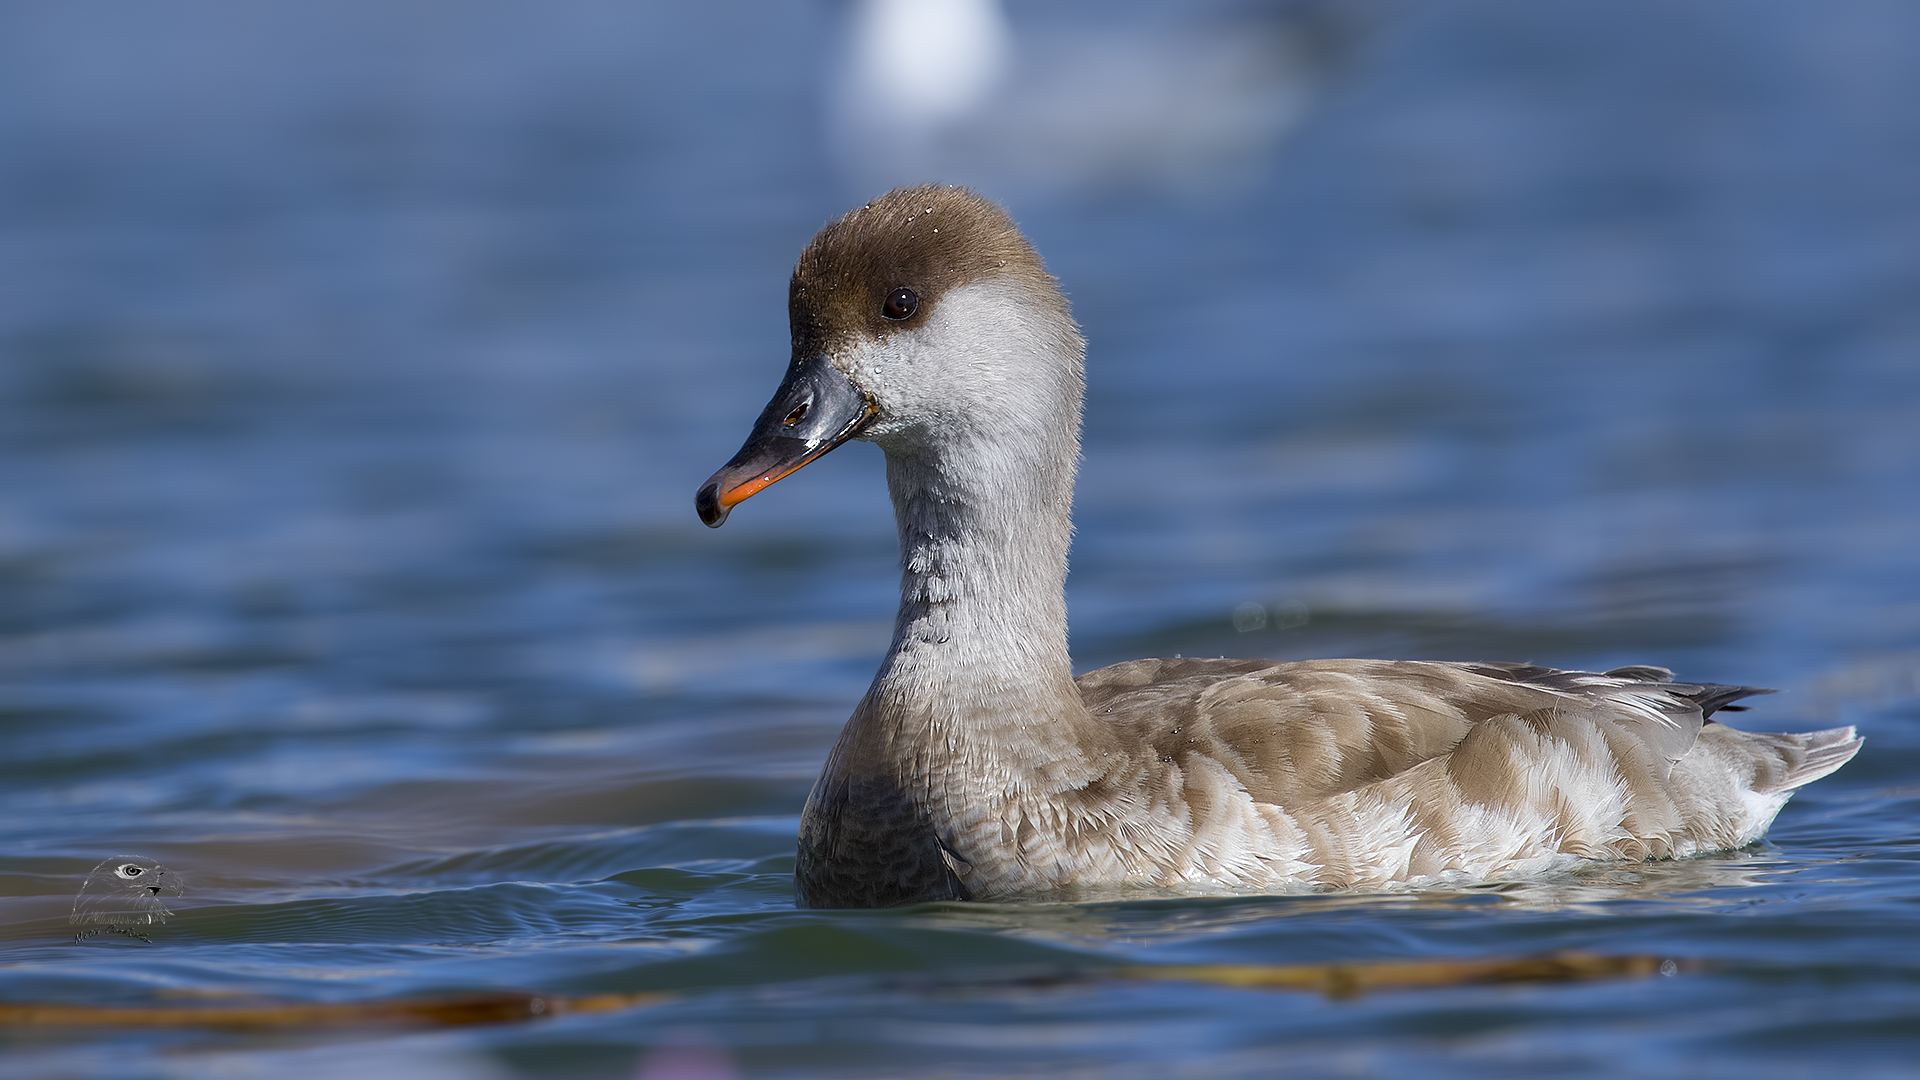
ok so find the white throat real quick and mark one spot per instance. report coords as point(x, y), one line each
point(981, 473)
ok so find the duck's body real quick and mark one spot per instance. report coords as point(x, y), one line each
point(977, 766)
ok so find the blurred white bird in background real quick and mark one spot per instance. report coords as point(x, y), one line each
point(1075, 98)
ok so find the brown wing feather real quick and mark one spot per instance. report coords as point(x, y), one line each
point(1317, 728)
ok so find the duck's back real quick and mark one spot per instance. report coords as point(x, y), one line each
point(1368, 772)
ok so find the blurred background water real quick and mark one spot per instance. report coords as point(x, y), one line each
point(358, 362)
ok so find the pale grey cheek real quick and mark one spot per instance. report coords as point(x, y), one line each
point(888, 433)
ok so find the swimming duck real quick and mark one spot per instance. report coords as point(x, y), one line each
point(978, 766)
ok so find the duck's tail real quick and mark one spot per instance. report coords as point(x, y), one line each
point(1738, 780)
point(1784, 762)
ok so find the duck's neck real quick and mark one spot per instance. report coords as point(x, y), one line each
point(979, 655)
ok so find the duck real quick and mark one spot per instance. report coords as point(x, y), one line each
point(978, 767)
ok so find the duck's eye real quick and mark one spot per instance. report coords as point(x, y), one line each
point(798, 414)
point(901, 304)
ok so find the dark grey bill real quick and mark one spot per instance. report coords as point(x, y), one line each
point(815, 410)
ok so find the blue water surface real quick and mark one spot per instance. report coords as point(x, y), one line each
point(358, 363)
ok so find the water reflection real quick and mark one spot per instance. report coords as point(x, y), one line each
point(1151, 917)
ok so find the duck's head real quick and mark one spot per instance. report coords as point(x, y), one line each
point(920, 320)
